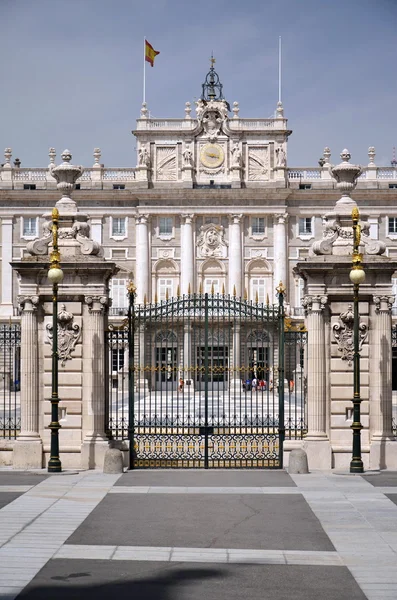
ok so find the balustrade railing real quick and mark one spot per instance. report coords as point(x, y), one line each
point(304, 174)
point(30, 174)
point(118, 174)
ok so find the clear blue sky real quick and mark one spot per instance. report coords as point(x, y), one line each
point(71, 71)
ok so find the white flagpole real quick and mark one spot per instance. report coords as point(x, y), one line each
point(144, 69)
point(279, 68)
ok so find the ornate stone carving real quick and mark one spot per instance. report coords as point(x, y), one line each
point(68, 334)
point(33, 302)
point(143, 157)
point(371, 156)
point(97, 157)
point(346, 176)
point(314, 303)
point(166, 163)
point(258, 163)
point(281, 156)
point(188, 110)
point(211, 243)
point(100, 301)
point(383, 303)
point(52, 154)
point(236, 156)
point(236, 110)
point(344, 334)
point(327, 156)
point(7, 156)
point(211, 116)
point(187, 158)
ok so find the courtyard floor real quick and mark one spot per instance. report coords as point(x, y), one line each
point(189, 535)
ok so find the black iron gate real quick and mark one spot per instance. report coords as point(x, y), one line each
point(10, 377)
point(199, 381)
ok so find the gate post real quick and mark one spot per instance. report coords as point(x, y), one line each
point(131, 370)
point(281, 425)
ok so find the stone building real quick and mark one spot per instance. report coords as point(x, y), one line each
point(211, 206)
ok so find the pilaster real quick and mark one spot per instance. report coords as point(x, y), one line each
point(95, 441)
point(6, 307)
point(316, 442)
point(380, 405)
point(28, 449)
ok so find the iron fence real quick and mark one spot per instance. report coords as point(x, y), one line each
point(10, 370)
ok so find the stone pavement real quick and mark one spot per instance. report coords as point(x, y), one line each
point(178, 535)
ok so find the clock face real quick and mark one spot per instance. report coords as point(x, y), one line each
point(212, 156)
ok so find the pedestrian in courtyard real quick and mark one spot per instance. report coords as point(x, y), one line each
point(181, 382)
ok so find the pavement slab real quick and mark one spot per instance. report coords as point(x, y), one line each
point(278, 522)
point(196, 478)
point(7, 497)
point(126, 580)
point(382, 479)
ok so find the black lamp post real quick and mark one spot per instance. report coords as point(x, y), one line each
point(357, 276)
point(55, 276)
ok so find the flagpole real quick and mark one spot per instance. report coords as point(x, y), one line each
point(279, 68)
point(144, 69)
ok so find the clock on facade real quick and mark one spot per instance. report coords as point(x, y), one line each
point(212, 156)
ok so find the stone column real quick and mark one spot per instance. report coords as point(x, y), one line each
point(187, 254)
point(95, 442)
point(6, 307)
point(28, 449)
point(380, 399)
point(280, 251)
point(142, 259)
point(235, 254)
point(316, 442)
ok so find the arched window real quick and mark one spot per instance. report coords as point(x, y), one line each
point(260, 281)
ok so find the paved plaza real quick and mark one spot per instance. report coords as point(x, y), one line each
point(185, 535)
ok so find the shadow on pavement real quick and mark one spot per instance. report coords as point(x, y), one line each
point(160, 587)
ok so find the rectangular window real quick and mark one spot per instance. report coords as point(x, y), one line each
point(118, 359)
point(165, 289)
point(118, 226)
point(118, 293)
point(259, 290)
point(392, 224)
point(258, 225)
point(305, 226)
point(29, 226)
point(29, 186)
point(211, 286)
point(165, 225)
point(119, 186)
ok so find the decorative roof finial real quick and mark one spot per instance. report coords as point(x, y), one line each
point(393, 161)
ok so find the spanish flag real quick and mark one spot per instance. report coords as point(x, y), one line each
point(150, 53)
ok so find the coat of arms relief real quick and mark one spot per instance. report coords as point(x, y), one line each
point(211, 242)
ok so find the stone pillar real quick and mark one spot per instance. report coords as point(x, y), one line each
point(280, 250)
point(142, 259)
point(28, 449)
point(380, 399)
point(235, 254)
point(187, 254)
point(317, 444)
point(6, 307)
point(95, 442)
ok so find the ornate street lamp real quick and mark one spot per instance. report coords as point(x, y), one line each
point(55, 276)
point(357, 276)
